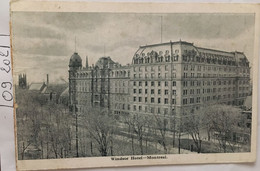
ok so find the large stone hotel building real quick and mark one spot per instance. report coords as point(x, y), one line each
point(168, 79)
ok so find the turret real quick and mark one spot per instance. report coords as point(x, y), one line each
point(75, 61)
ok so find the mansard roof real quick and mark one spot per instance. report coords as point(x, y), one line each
point(165, 49)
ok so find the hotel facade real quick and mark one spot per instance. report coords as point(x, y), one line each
point(170, 79)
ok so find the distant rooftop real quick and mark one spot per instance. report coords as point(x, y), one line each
point(37, 86)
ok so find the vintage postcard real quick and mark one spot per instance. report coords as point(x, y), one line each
point(134, 84)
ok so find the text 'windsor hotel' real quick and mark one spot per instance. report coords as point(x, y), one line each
point(171, 79)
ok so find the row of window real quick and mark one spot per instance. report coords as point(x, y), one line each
point(208, 98)
point(166, 92)
point(152, 100)
point(152, 83)
point(210, 83)
point(214, 68)
point(192, 57)
point(152, 68)
point(153, 110)
point(152, 75)
point(213, 90)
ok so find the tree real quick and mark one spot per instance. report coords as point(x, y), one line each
point(139, 125)
point(221, 120)
point(100, 127)
point(225, 120)
point(193, 126)
point(160, 125)
point(128, 121)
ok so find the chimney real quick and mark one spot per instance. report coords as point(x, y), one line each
point(86, 61)
point(47, 79)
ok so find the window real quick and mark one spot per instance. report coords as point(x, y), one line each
point(159, 91)
point(146, 91)
point(134, 83)
point(199, 68)
point(192, 83)
point(134, 99)
point(159, 83)
point(146, 83)
point(140, 83)
point(174, 92)
point(152, 83)
point(173, 101)
point(145, 99)
point(166, 83)
point(174, 83)
point(152, 109)
point(152, 100)
point(165, 101)
point(185, 68)
point(159, 100)
point(140, 99)
point(152, 91)
point(140, 91)
point(185, 83)
point(166, 92)
point(134, 91)
point(166, 111)
point(134, 107)
point(140, 108)
point(159, 110)
point(185, 101)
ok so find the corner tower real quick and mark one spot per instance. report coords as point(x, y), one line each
point(74, 65)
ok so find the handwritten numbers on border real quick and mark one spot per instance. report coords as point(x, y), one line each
point(6, 87)
point(7, 63)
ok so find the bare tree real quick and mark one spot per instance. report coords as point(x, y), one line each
point(139, 126)
point(128, 121)
point(193, 126)
point(221, 120)
point(160, 125)
point(225, 120)
point(100, 127)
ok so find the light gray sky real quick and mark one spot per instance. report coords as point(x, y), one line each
point(44, 41)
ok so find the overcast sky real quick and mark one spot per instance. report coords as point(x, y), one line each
point(44, 42)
